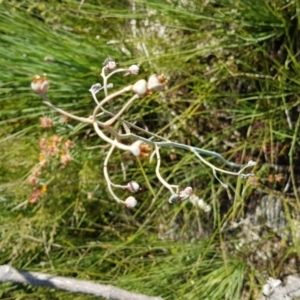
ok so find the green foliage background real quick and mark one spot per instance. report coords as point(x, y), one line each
point(233, 69)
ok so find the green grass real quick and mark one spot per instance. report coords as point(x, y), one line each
point(233, 78)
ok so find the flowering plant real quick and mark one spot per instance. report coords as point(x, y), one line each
point(139, 146)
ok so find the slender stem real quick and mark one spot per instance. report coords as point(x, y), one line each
point(199, 150)
point(95, 98)
point(106, 176)
point(119, 114)
point(106, 77)
point(158, 160)
point(105, 86)
point(110, 97)
point(216, 168)
point(109, 140)
point(71, 116)
point(131, 135)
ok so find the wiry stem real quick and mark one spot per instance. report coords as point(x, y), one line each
point(158, 160)
point(106, 176)
point(120, 113)
point(110, 97)
point(71, 116)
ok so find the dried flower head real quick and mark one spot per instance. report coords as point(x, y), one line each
point(199, 202)
point(95, 88)
point(65, 158)
point(130, 202)
point(109, 64)
point(46, 122)
point(35, 196)
point(68, 144)
point(64, 119)
point(33, 179)
point(188, 190)
point(155, 83)
point(40, 84)
point(186, 193)
point(182, 196)
point(139, 148)
point(55, 139)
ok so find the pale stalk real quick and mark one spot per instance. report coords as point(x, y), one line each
point(106, 77)
point(216, 168)
point(106, 176)
point(168, 186)
point(71, 116)
point(109, 140)
point(110, 97)
point(119, 114)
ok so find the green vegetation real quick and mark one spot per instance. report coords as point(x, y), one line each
point(234, 84)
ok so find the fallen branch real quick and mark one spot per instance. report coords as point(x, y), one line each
point(9, 274)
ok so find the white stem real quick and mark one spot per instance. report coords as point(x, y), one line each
point(109, 140)
point(168, 186)
point(214, 167)
point(119, 114)
point(106, 176)
point(106, 77)
point(110, 97)
point(71, 116)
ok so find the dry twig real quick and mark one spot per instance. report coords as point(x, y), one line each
point(9, 274)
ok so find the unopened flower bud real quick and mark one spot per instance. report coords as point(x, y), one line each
point(40, 84)
point(140, 87)
point(46, 122)
point(134, 69)
point(130, 202)
point(133, 186)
